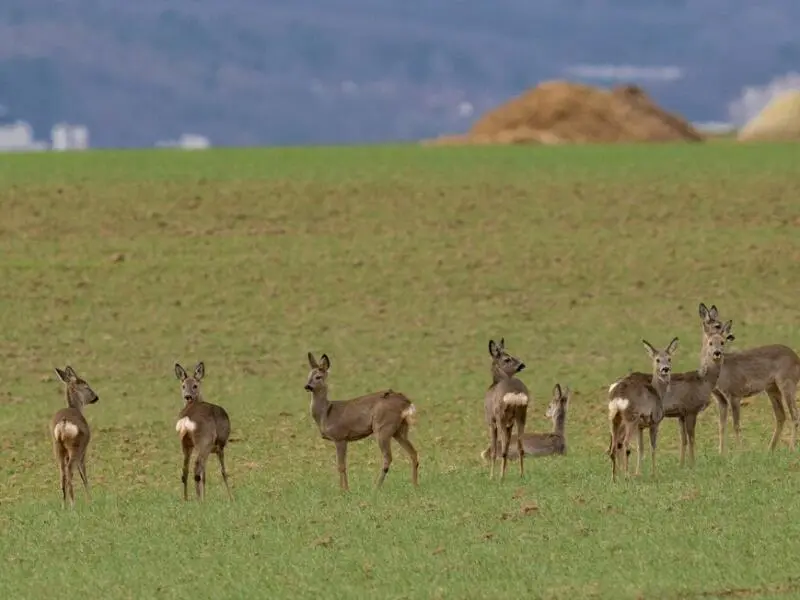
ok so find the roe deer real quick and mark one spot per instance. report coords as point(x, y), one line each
point(386, 414)
point(635, 404)
point(70, 432)
point(690, 392)
point(543, 444)
point(505, 404)
point(774, 369)
point(203, 427)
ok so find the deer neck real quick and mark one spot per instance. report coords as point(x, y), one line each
point(709, 370)
point(73, 400)
point(320, 405)
point(559, 422)
point(660, 385)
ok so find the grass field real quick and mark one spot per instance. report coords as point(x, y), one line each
point(400, 263)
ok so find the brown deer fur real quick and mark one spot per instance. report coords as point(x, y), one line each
point(635, 404)
point(202, 427)
point(774, 369)
point(71, 434)
point(505, 405)
point(543, 444)
point(386, 414)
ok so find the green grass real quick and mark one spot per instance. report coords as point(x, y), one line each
point(400, 263)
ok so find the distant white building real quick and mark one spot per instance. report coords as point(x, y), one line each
point(187, 141)
point(69, 137)
point(18, 137)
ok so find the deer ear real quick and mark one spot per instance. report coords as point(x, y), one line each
point(180, 372)
point(713, 313)
point(649, 349)
point(557, 391)
point(502, 344)
point(726, 331)
point(673, 345)
point(62, 375)
point(324, 362)
point(200, 370)
point(492, 348)
point(703, 311)
point(312, 362)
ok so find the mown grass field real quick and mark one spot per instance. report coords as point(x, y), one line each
point(400, 263)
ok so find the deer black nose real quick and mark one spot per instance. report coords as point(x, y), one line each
point(520, 367)
point(717, 353)
point(308, 388)
point(96, 398)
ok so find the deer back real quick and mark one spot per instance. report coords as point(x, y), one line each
point(748, 372)
point(357, 418)
point(209, 420)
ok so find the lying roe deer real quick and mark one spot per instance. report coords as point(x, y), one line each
point(690, 392)
point(635, 404)
point(70, 432)
point(543, 444)
point(774, 369)
point(505, 405)
point(202, 427)
point(386, 414)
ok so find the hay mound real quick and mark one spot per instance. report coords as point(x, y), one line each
point(778, 121)
point(559, 112)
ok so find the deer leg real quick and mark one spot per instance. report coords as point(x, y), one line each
point(780, 414)
point(200, 471)
point(493, 441)
point(61, 459)
point(82, 473)
point(341, 463)
point(221, 457)
point(520, 448)
point(682, 429)
point(506, 441)
point(788, 390)
point(186, 443)
point(691, 423)
point(70, 472)
point(722, 407)
point(736, 414)
point(402, 438)
point(639, 450)
point(385, 444)
point(653, 440)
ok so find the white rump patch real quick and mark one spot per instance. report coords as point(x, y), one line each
point(184, 426)
point(617, 405)
point(516, 399)
point(410, 413)
point(65, 431)
point(612, 387)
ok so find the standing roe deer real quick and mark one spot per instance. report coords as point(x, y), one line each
point(774, 369)
point(635, 404)
point(70, 432)
point(386, 414)
point(690, 392)
point(543, 444)
point(203, 427)
point(505, 404)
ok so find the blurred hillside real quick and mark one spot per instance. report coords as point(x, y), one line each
point(300, 71)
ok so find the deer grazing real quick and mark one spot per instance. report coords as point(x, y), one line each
point(386, 414)
point(543, 444)
point(635, 404)
point(202, 427)
point(690, 392)
point(774, 369)
point(505, 404)
point(71, 433)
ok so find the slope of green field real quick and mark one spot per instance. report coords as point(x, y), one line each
point(400, 263)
